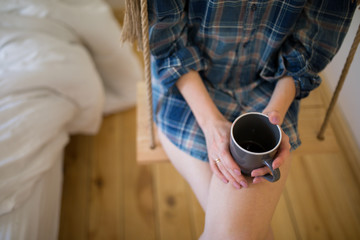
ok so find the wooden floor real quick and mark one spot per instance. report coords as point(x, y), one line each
point(107, 195)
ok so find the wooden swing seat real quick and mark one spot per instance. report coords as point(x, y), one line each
point(145, 154)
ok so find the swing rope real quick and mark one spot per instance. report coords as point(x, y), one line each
point(136, 28)
point(340, 84)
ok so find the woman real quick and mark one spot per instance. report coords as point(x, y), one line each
point(214, 60)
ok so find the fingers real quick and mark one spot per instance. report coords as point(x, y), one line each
point(274, 117)
point(283, 151)
point(227, 174)
point(233, 169)
point(216, 171)
point(260, 172)
point(282, 154)
point(227, 168)
point(258, 180)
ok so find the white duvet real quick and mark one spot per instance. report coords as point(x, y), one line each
point(61, 68)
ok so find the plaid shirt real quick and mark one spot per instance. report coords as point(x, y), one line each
point(240, 48)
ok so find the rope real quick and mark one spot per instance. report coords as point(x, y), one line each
point(131, 29)
point(146, 54)
point(136, 28)
point(340, 83)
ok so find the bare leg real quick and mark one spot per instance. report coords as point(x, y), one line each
point(245, 213)
point(197, 173)
point(270, 235)
point(229, 213)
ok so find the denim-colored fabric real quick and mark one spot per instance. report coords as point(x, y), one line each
point(240, 49)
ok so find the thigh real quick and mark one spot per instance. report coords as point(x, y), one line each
point(244, 213)
point(196, 172)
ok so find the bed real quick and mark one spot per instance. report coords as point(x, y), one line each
point(62, 68)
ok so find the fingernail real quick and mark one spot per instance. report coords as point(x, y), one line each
point(224, 180)
point(257, 180)
point(244, 184)
point(275, 119)
point(236, 185)
point(237, 172)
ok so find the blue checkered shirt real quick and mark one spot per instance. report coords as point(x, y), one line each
point(240, 48)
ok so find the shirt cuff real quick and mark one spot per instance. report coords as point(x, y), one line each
point(296, 67)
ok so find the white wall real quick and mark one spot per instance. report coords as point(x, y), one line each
point(349, 98)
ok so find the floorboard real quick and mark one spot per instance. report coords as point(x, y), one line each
point(173, 217)
point(74, 206)
point(106, 189)
point(107, 195)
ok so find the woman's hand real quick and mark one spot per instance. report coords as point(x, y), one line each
point(215, 127)
point(281, 156)
point(283, 95)
point(217, 135)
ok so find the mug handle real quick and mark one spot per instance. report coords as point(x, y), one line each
point(275, 173)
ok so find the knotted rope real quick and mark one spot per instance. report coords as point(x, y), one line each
point(136, 28)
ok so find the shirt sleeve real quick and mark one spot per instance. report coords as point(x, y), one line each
point(316, 38)
point(173, 50)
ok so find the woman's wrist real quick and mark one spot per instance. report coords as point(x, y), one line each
point(210, 120)
point(281, 99)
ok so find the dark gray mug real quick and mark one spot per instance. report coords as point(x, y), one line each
point(254, 142)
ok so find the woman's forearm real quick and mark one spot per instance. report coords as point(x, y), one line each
point(282, 97)
point(196, 95)
point(205, 111)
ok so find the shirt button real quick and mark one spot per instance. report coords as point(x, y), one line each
point(253, 7)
